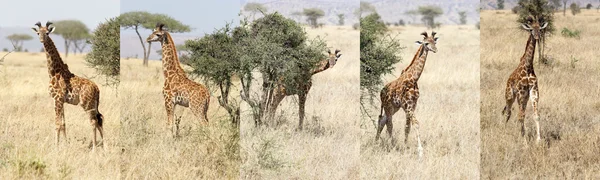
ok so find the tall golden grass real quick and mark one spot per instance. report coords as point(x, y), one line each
point(447, 111)
point(569, 101)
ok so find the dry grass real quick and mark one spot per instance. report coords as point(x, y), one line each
point(328, 147)
point(447, 112)
point(569, 101)
point(149, 151)
point(27, 130)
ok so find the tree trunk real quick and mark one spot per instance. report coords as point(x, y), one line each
point(147, 55)
point(143, 46)
point(83, 47)
point(75, 47)
point(564, 8)
point(66, 48)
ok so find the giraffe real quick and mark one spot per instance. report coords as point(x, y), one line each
point(404, 92)
point(178, 88)
point(280, 91)
point(65, 87)
point(522, 83)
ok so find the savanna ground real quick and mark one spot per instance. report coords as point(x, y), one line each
point(569, 102)
point(447, 111)
point(27, 130)
point(149, 150)
point(328, 146)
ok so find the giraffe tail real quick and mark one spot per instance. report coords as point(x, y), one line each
point(99, 117)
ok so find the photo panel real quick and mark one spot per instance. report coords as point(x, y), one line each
point(300, 80)
point(178, 103)
point(59, 73)
point(539, 90)
point(419, 89)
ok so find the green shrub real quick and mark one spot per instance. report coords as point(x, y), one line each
point(105, 54)
point(566, 32)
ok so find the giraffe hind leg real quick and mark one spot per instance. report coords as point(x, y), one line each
point(522, 99)
point(510, 99)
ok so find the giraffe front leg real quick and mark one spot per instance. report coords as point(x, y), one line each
point(301, 104)
point(170, 107)
point(59, 120)
point(536, 116)
point(415, 123)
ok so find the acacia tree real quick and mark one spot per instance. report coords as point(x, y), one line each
point(340, 19)
point(255, 8)
point(138, 20)
point(575, 9)
point(429, 13)
point(541, 10)
point(500, 4)
point(105, 54)
point(274, 46)
point(215, 58)
point(73, 32)
point(365, 7)
point(313, 15)
point(378, 54)
point(565, 7)
point(463, 17)
point(18, 39)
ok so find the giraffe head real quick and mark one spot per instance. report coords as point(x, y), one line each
point(333, 57)
point(534, 26)
point(158, 35)
point(429, 42)
point(42, 31)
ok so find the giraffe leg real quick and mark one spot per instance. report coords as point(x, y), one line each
point(510, 99)
point(522, 98)
point(415, 123)
point(170, 107)
point(390, 129)
point(273, 104)
point(59, 119)
point(382, 122)
point(301, 104)
point(99, 119)
point(407, 128)
point(536, 116)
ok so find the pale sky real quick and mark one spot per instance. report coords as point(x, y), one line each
point(25, 13)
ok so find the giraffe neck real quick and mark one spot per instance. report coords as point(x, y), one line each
point(527, 59)
point(417, 64)
point(322, 66)
point(170, 60)
point(55, 63)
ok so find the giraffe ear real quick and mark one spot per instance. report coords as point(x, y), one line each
point(544, 26)
point(51, 29)
point(526, 26)
point(418, 42)
point(435, 39)
point(34, 30)
point(338, 55)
